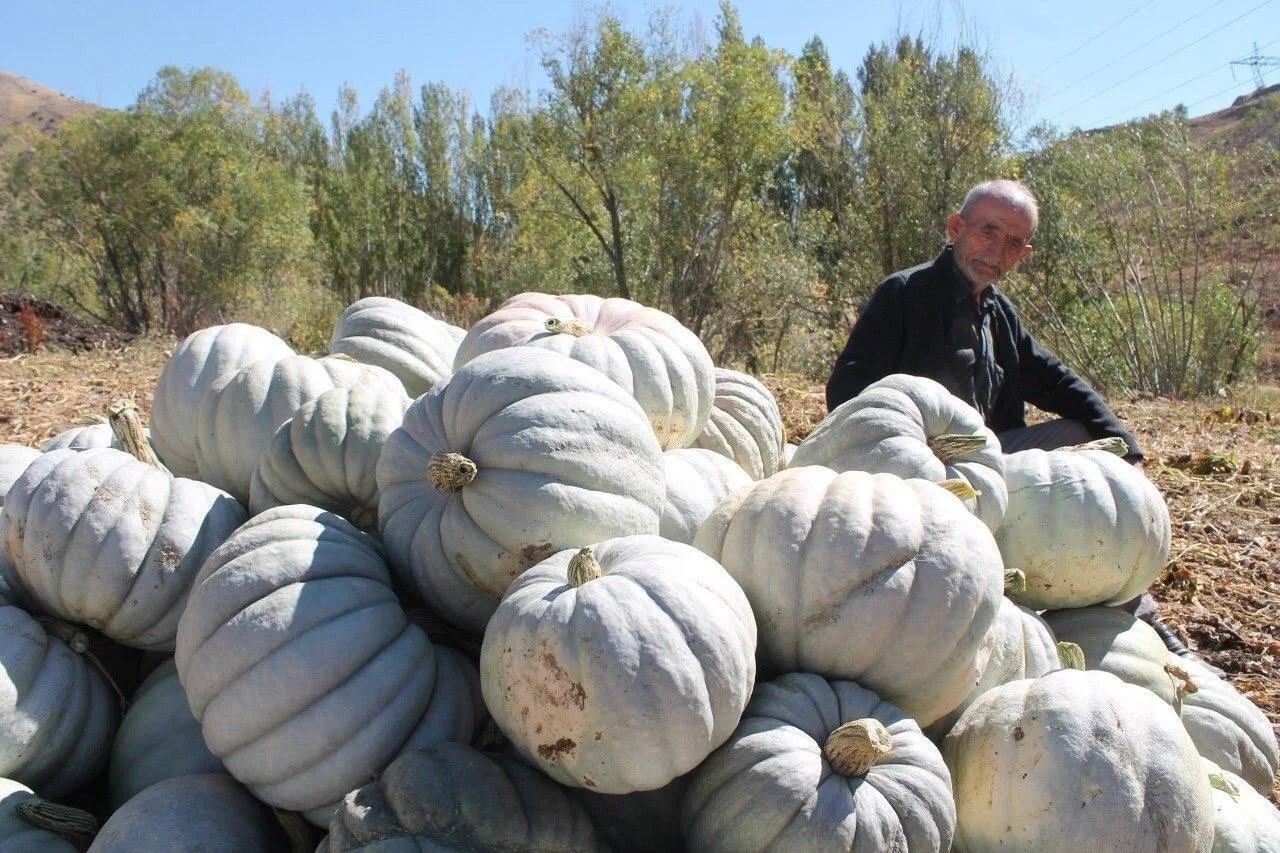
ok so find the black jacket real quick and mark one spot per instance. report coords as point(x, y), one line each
point(908, 327)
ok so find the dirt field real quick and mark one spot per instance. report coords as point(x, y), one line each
point(1217, 462)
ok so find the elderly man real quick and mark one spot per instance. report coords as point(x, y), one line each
point(946, 320)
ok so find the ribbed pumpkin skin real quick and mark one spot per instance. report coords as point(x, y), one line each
point(697, 480)
point(416, 347)
point(301, 667)
point(629, 680)
point(865, 577)
point(239, 414)
point(1076, 761)
point(1084, 526)
point(158, 738)
point(645, 351)
point(90, 437)
point(1228, 729)
point(14, 459)
point(564, 459)
point(326, 455)
point(200, 360)
point(453, 797)
point(745, 424)
point(886, 430)
point(57, 715)
point(1116, 642)
point(208, 813)
point(18, 836)
point(1244, 821)
point(102, 539)
point(1022, 646)
point(770, 787)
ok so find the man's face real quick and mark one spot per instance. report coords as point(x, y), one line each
point(989, 240)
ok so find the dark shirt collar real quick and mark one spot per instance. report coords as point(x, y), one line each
point(958, 285)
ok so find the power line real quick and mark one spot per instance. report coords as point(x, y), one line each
point(1146, 43)
point(1091, 39)
point(1216, 94)
point(1164, 58)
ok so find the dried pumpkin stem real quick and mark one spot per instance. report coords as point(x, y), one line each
point(341, 356)
point(1114, 444)
point(1185, 685)
point(567, 326)
point(126, 423)
point(961, 489)
point(1015, 582)
point(947, 447)
point(449, 472)
point(1072, 656)
point(64, 820)
point(857, 746)
point(583, 567)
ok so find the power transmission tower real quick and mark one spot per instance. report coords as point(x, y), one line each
point(1257, 63)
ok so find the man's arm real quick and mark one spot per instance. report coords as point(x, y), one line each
point(873, 347)
point(1050, 385)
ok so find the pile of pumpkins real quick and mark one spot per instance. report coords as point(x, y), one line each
point(556, 582)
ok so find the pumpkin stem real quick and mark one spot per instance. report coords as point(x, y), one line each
point(341, 356)
point(296, 829)
point(1222, 783)
point(1185, 686)
point(583, 567)
point(1072, 656)
point(126, 423)
point(78, 641)
point(961, 489)
point(1113, 444)
point(947, 447)
point(1015, 582)
point(857, 746)
point(64, 820)
point(449, 472)
point(567, 326)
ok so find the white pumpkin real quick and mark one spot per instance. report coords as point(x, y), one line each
point(158, 738)
point(620, 667)
point(301, 667)
point(87, 437)
point(788, 453)
point(101, 539)
point(1244, 821)
point(520, 454)
point(915, 428)
point(818, 765)
point(416, 347)
point(239, 414)
point(326, 455)
point(1119, 643)
point(864, 577)
point(17, 835)
point(200, 360)
point(697, 480)
point(1022, 646)
point(208, 813)
point(57, 715)
point(14, 459)
point(1084, 526)
point(745, 424)
point(645, 351)
point(1076, 760)
point(1228, 729)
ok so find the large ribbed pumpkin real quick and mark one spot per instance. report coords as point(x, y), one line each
point(239, 414)
point(745, 424)
point(416, 347)
point(102, 539)
point(57, 715)
point(158, 738)
point(1084, 526)
point(1076, 761)
point(452, 797)
point(819, 765)
point(697, 481)
point(326, 455)
point(621, 666)
point(520, 454)
point(301, 667)
point(645, 351)
point(1244, 821)
point(865, 577)
point(200, 360)
point(1228, 729)
point(912, 427)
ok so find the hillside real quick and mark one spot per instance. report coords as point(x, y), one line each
point(25, 102)
point(1249, 118)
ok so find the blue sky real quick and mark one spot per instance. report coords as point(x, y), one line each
point(1084, 63)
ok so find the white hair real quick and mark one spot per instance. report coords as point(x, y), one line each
point(1012, 193)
